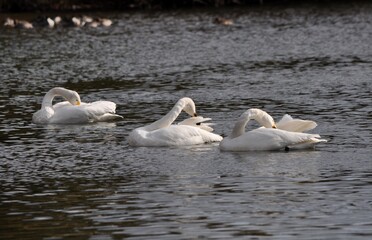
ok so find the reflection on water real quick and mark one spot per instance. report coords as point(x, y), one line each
point(85, 181)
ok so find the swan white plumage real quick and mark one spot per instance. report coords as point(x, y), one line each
point(73, 111)
point(164, 133)
point(295, 125)
point(286, 123)
point(198, 122)
point(265, 138)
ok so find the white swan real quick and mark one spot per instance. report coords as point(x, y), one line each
point(286, 123)
point(73, 111)
point(163, 133)
point(265, 139)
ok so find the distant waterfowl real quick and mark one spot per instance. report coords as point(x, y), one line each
point(42, 21)
point(15, 23)
point(223, 21)
point(96, 22)
point(265, 139)
point(164, 133)
point(57, 20)
point(73, 111)
point(105, 22)
point(77, 22)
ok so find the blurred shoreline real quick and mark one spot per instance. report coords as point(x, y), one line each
point(11, 6)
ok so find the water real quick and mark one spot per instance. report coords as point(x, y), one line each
point(84, 181)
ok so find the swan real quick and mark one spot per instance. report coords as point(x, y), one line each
point(73, 111)
point(287, 123)
point(163, 133)
point(264, 138)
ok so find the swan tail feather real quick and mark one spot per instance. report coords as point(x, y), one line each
point(310, 143)
point(107, 117)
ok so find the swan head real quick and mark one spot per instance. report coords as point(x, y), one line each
point(188, 106)
point(261, 117)
point(74, 98)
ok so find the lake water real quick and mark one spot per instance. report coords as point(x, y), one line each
point(84, 181)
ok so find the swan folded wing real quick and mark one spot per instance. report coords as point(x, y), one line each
point(198, 122)
point(43, 115)
point(100, 111)
point(296, 140)
point(307, 144)
point(183, 135)
point(255, 140)
point(287, 123)
point(174, 135)
point(266, 139)
point(61, 105)
point(69, 114)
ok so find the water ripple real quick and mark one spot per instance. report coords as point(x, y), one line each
point(84, 181)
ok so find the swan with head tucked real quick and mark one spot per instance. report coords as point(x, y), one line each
point(164, 133)
point(286, 123)
point(265, 138)
point(73, 111)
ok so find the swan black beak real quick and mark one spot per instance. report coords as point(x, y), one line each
point(274, 126)
point(195, 115)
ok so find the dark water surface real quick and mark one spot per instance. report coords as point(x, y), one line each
point(84, 181)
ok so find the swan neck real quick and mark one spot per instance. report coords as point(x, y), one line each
point(264, 122)
point(239, 128)
point(168, 119)
point(49, 96)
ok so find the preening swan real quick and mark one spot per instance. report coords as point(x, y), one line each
point(73, 111)
point(164, 133)
point(265, 139)
point(286, 123)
